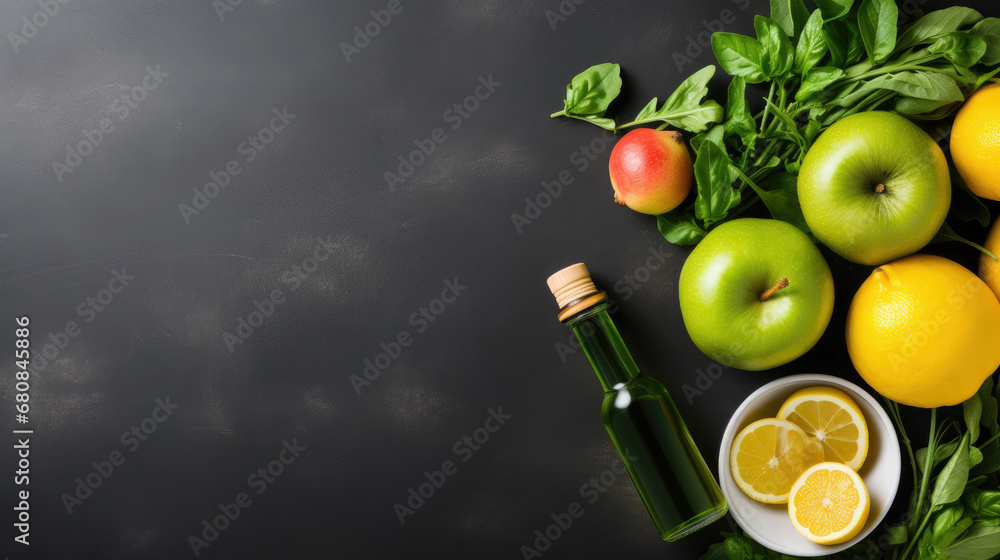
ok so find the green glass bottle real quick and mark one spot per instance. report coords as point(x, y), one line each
point(666, 467)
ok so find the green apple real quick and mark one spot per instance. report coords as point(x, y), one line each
point(874, 187)
point(756, 294)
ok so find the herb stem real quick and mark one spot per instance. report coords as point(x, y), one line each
point(660, 118)
point(767, 109)
point(746, 180)
point(916, 536)
point(912, 65)
point(928, 466)
point(898, 419)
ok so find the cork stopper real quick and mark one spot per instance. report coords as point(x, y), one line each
point(574, 290)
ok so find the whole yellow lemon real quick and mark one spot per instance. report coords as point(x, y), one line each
point(975, 142)
point(989, 268)
point(924, 331)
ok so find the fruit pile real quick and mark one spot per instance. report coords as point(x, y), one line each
point(808, 457)
point(859, 177)
point(846, 150)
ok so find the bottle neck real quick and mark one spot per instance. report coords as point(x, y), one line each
point(604, 346)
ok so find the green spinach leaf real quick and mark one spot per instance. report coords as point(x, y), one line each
point(989, 31)
point(783, 201)
point(834, 9)
point(877, 23)
point(918, 85)
point(972, 411)
point(777, 55)
point(935, 24)
point(685, 108)
point(714, 175)
point(838, 40)
point(924, 109)
point(960, 48)
point(592, 91)
point(739, 121)
point(984, 503)
point(855, 43)
point(818, 79)
point(739, 55)
point(945, 520)
point(941, 452)
point(811, 46)
point(790, 15)
point(989, 418)
point(981, 543)
point(951, 480)
point(680, 228)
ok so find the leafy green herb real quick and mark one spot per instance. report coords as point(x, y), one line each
point(714, 175)
point(791, 15)
point(834, 9)
point(739, 55)
point(948, 234)
point(951, 481)
point(845, 57)
point(591, 92)
point(818, 79)
point(739, 121)
point(972, 410)
point(680, 228)
point(812, 44)
point(935, 24)
point(777, 56)
point(981, 543)
point(783, 202)
point(877, 22)
point(960, 48)
point(686, 108)
point(989, 31)
point(984, 503)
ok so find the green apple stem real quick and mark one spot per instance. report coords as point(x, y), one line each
point(880, 188)
point(782, 284)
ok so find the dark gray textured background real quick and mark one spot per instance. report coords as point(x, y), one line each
point(392, 251)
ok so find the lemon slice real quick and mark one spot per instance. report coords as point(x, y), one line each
point(769, 455)
point(833, 419)
point(829, 503)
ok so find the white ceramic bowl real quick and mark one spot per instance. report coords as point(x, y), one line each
point(769, 524)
